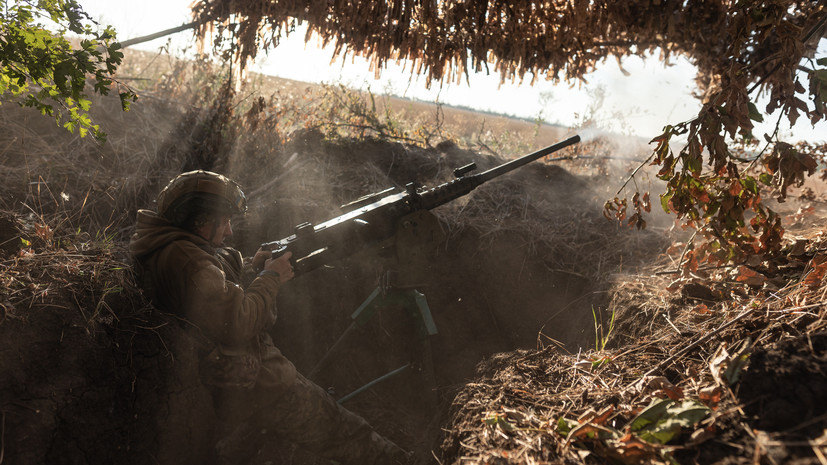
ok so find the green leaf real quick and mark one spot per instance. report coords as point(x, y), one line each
point(29, 53)
point(664, 201)
point(765, 179)
point(650, 414)
point(600, 362)
point(499, 420)
point(749, 184)
point(564, 425)
point(694, 164)
point(712, 209)
point(754, 114)
point(126, 99)
point(821, 76)
point(664, 419)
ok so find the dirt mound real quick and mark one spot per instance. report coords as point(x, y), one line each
point(91, 372)
point(715, 370)
point(62, 376)
point(795, 372)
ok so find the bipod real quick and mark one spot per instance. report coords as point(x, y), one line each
point(384, 296)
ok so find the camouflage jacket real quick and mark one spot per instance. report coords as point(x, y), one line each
point(183, 274)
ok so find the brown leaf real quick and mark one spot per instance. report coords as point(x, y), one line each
point(43, 231)
point(702, 309)
point(584, 431)
point(675, 248)
point(749, 276)
point(701, 435)
point(603, 416)
point(660, 387)
point(711, 396)
point(647, 205)
point(816, 275)
point(630, 449)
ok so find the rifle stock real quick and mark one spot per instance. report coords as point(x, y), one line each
point(375, 218)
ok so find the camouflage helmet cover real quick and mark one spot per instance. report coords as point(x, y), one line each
point(208, 190)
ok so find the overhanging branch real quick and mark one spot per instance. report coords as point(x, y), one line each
point(166, 32)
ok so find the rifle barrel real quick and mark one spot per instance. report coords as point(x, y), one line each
point(514, 164)
point(456, 188)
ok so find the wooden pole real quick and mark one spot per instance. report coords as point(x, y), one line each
point(147, 38)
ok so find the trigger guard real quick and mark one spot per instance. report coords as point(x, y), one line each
point(276, 253)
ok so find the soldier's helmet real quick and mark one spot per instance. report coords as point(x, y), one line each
point(200, 191)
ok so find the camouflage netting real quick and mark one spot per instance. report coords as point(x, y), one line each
point(734, 44)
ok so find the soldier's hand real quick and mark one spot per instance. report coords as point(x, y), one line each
point(282, 266)
point(259, 258)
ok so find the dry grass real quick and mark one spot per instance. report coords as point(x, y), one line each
point(42, 267)
point(545, 406)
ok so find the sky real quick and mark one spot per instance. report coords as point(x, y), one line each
point(638, 103)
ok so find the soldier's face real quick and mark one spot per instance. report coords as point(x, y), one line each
point(217, 230)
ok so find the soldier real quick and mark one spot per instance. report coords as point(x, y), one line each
point(185, 269)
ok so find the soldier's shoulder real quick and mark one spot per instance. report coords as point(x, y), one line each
point(183, 252)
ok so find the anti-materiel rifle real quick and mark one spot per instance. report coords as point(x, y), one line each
point(377, 217)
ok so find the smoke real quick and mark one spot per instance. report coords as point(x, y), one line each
point(591, 133)
point(619, 149)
